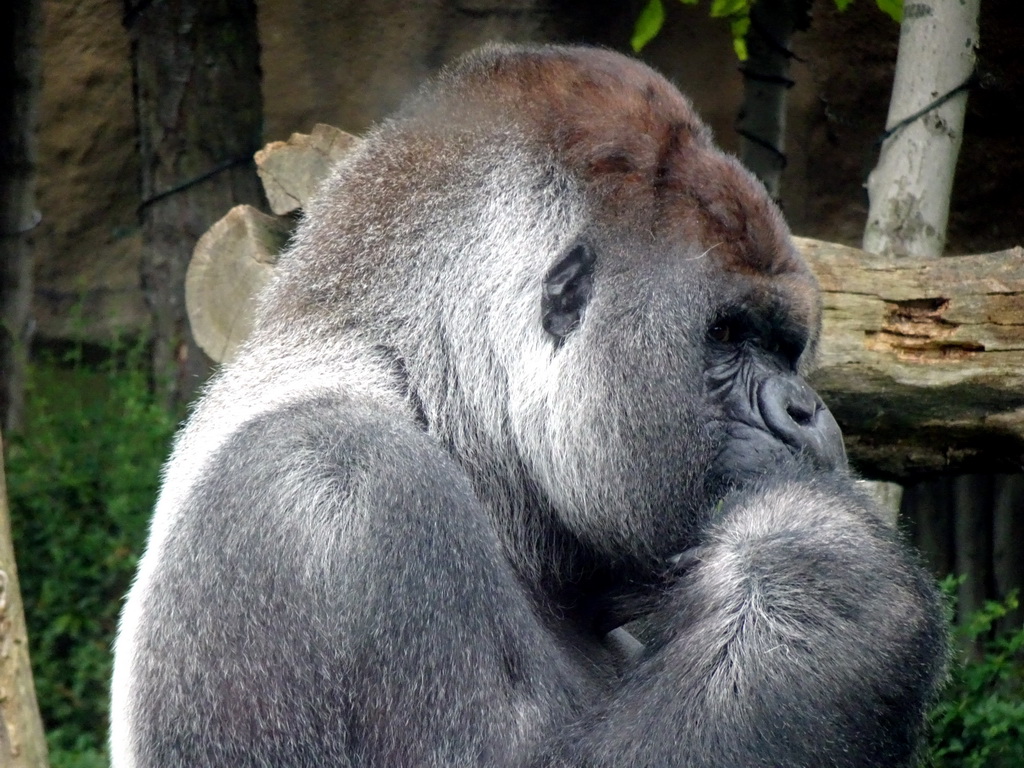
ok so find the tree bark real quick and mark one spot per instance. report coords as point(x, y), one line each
point(922, 360)
point(1007, 535)
point(910, 186)
point(762, 118)
point(928, 505)
point(22, 743)
point(199, 111)
point(19, 89)
point(972, 506)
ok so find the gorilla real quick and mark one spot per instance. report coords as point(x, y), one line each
point(519, 468)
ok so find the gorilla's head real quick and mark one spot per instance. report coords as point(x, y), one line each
point(595, 311)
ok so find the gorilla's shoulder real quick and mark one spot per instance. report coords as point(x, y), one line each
point(338, 444)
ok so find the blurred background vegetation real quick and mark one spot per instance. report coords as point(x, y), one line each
point(82, 478)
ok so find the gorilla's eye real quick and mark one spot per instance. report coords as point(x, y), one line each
point(567, 289)
point(721, 332)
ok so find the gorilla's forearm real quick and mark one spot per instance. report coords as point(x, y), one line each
point(801, 633)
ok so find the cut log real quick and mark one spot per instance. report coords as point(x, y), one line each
point(230, 265)
point(922, 361)
point(292, 170)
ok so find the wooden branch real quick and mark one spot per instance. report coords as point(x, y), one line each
point(292, 170)
point(921, 361)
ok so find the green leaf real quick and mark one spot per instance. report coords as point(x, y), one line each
point(647, 25)
point(893, 8)
point(721, 9)
point(842, 5)
point(739, 26)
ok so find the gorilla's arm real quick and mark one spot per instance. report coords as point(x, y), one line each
point(802, 635)
point(333, 594)
point(340, 591)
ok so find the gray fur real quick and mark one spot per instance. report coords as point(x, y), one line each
point(394, 529)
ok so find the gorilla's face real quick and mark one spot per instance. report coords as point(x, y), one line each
point(590, 301)
point(678, 379)
point(677, 318)
point(767, 413)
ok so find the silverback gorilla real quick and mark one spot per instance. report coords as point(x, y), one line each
point(530, 371)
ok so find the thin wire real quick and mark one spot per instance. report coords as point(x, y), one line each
point(219, 168)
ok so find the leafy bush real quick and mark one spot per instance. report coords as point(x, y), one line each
point(979, 723)
point(82, 478)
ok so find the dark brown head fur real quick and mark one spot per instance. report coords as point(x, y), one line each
point(645, 157)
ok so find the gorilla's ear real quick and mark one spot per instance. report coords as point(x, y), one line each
point(567, 289)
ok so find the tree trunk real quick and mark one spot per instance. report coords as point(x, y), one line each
point(909, 192)
point(199, 111)
point(972, 506)
point(911, 184)
point(762, 118)
point(19, 89)
point(928, 506)
point(1007, 536)
point(22, 744)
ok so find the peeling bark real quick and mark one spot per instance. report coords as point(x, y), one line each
point(22, 743)
point(199, 112)
point(911, 184)
point(923, 360)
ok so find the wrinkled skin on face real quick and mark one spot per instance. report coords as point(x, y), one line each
point(768, 412)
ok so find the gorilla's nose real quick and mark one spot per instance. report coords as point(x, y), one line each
point(796, 415)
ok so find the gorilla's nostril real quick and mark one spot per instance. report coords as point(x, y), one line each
point(802, 413)
point(795, 415)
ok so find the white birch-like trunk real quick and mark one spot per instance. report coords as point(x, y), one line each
point(909, 189)
point(910, 186)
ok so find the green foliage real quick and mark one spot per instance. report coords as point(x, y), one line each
point(82, 479)
point(648, 24)
point(894, 8)
point(979, 723)
point(737, 12)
